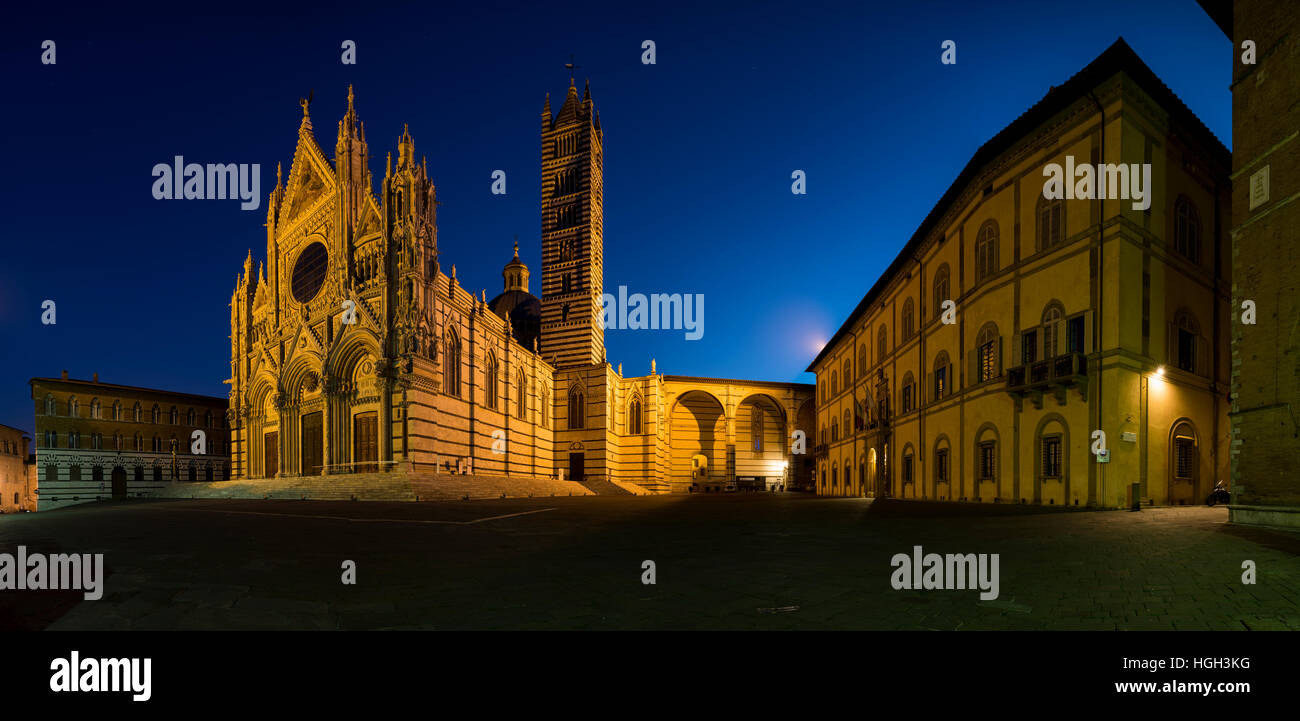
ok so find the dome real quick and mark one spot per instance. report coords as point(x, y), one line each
point(524, 311)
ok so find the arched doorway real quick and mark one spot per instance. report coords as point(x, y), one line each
point(698, 428)
point(119, 483)
point(1184, 464)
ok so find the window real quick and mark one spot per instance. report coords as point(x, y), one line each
point(156, 415)
point(1186, 330)
point(941, 288)
point(909, 392)
point(835, 383)
point(1029, 347)
point(521, 398)
point(1187, 230)
point(1051, 456)
point(174, 416)
point(986, 251)
point(544, 408)
point(835, 429)
point(157, 445)
point(1050, 222)
point(577, 409)
point(941, 385)
point(490, 373)
point(756, 428)
point(51, 439)
point(74, 408)
point(634, 418)
point(848, 372)
point(49, 405)
point(909, 319)
point(986, 353)
point(907, 466)
point(1184, 457)
point(882, 344)
point(117, 410)
point(74, 439)
point(1074, 335)
point(207, 419)
point(135, 413)
point(862, 361)
point(941, 465)
point(848, 423)
point(451, 365)
point(1051, 329)
point(95, 411)
point(189, 418)
point(988, 460)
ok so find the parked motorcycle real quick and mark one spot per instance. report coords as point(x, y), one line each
point(1218, 495)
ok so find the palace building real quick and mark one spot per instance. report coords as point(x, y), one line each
point(355, 350)
point(1016, 323)
point(17, 481)
point(99, 440)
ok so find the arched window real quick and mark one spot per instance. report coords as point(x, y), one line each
point(909, 319)
point(1051, 222)
point(835, 429)
point(909, 471)
point(207, 419)
point(848, 372)
point(634, 416)
point(1187, 230)
point(189, 418)
point(49, 405)
point(135, 412)
point(490, 375)
point(848, 477)
point(986, 250)
point(862, 361)
point(942, 469)
point(835, 383)
point(521, 398)
point(909, 392)
point(942, 292)
point(156, 415)
point(96, 411)
point(74, 408)
point(942, 375)
point(139, 442)
point(987, 347)
point(882, 344)
point(986, 458)
point(848, 423)
point(1052, 316)
point(451, 365)
point(157, 445)
point(577, 408)
point(835, 476)
point(1184, 452)
point(544, 408)
point(117, 410)
point(756, 429)
point(174, 416)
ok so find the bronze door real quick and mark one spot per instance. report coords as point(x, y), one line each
point(271, 459)
point(312, 444)
point(365, 442)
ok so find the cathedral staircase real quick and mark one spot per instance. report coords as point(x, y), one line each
point(608, 487)
point(380, 487)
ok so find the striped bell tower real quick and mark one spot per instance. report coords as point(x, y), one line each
point(572, 232)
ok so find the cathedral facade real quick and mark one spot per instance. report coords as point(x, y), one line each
point(354, 349)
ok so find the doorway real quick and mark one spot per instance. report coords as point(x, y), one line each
point(577, 462)
point(365, 442)
point(271, 454)
point(313, 456)
point(119, 483)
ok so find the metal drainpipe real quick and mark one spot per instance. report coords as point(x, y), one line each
point(1101, 268)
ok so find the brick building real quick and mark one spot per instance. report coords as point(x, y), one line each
point(1265, 256)
point(17, 484)
point(98, 440)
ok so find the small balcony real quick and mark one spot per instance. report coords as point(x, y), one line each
point(1055, 375)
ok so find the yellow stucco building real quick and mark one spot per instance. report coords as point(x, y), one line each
point(1023, 317)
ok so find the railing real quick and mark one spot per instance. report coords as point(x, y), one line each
point(1066, 369)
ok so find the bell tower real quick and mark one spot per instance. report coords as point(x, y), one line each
point(572, 232)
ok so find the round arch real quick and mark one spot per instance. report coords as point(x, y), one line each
point(697, 440)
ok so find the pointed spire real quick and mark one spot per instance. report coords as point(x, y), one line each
point(306, 113)
point(350, 110)
point(546, 106)
point(586, 93)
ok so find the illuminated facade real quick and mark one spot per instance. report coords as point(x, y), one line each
point(17, 481)
point(1068, 316)
point(99, 440)
point(353, 350)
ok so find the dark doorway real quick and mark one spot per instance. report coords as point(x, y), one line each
point(365, 442)
point(312, 444)
point(577, 462)
point(119, 483)
point(271, 454)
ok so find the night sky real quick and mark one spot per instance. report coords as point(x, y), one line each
point(699, 151)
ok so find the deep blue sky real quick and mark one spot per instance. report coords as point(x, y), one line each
point(699, 149)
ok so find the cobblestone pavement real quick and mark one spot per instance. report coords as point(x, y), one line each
point(762, 561)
